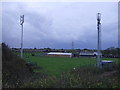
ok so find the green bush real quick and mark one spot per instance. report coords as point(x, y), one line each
point(14, 69)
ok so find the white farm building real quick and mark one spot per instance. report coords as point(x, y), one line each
point(60, 54)
point(89, 53)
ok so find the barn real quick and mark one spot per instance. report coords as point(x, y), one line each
point(88, 53)
point(59, 54)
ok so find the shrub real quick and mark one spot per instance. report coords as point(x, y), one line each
point(14, 69)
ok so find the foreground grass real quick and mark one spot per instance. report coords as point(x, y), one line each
point(83, 77)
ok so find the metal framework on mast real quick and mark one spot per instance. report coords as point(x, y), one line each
point(21, 23)
point(99, 63)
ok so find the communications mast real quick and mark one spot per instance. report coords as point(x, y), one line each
point(72, 45)
point(21, 23)
point(99, 63)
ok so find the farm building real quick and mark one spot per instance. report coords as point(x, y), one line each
point(59, 54)
point(89, 53)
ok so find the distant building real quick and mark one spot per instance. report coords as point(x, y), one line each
point(59, 54)
point(89, 53)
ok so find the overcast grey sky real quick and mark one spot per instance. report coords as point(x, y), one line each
point(57, 24)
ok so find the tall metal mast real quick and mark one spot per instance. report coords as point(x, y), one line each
point(21, 23)
point(72, 45)
point(99, 63)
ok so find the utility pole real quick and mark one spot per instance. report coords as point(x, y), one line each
point(99, 63)
point(21, 23)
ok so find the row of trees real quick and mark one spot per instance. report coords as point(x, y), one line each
point(111, 51)
point(108, 51)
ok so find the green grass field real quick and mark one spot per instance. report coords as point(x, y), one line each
point(57, 65)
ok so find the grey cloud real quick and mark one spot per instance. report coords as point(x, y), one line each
point(56, 25)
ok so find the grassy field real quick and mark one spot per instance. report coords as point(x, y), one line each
point(58, 72)
point(57, 65)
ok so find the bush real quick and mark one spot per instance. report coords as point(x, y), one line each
point(14, 69)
